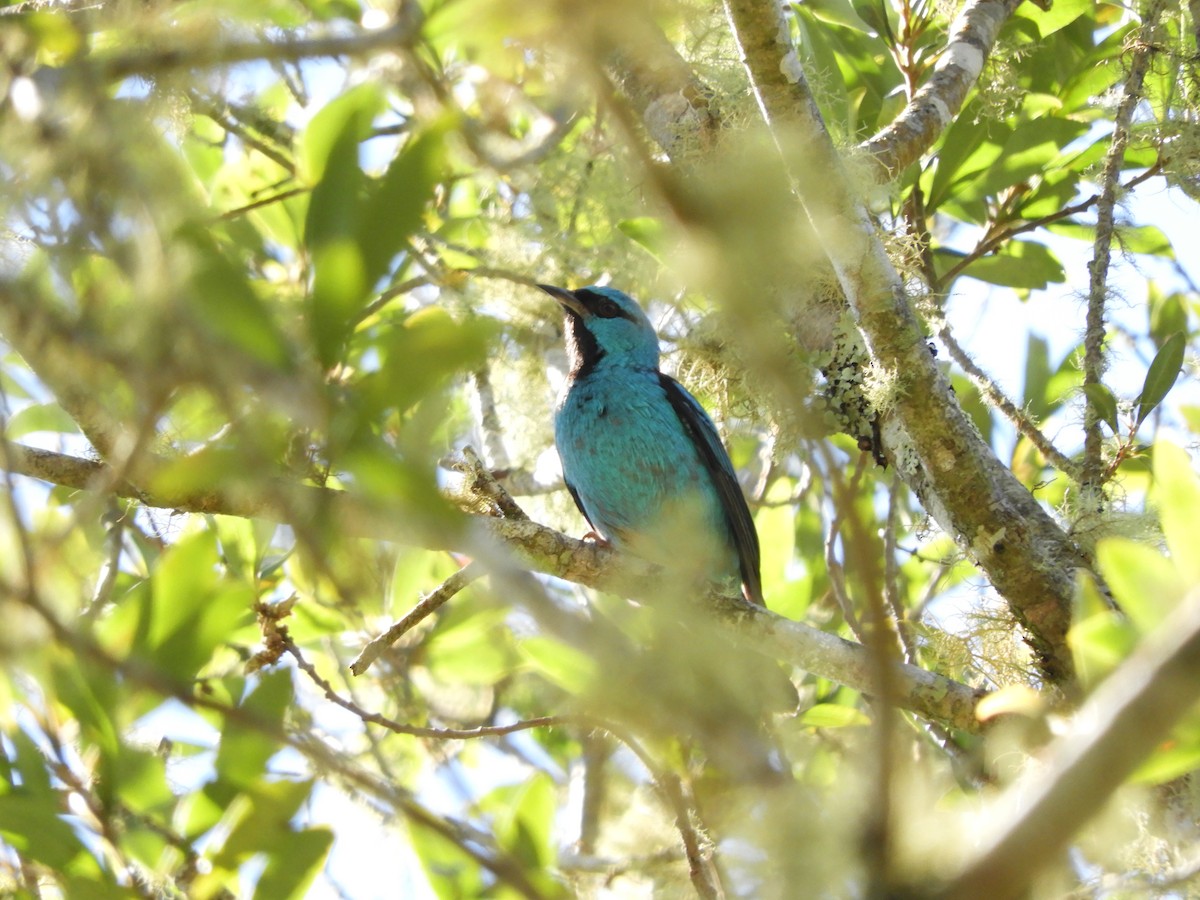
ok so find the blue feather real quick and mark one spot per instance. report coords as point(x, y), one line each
point(639, 454)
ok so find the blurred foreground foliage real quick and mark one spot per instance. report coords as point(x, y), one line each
point(266, 243)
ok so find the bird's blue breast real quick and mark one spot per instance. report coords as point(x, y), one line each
point(636, 471)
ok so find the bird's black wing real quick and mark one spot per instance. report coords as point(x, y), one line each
point(579, 503)
point(716, 461)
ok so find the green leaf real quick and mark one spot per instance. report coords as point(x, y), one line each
point(396, 202)
point(1146, 585)
point(227, 306)
point(524, 819)
point(244, 752)
point(1099, 644)
point(1177, 496)
point(833, 715)
point(352, 112)
point(295, 863)
point(40, 417)
point(422, 353)
point(1167, 313)
point(30, 820)
point(1020, 264)
point(1102, 400)
point(451, 872)
point(646, 231)
point(1028, 151)
point(185, 612)
point(335, 223)
point(1160, 378)
point(1058, 16)
point(1037, 377)
point(1171, 760)
point(565, 666)
point(478, 651)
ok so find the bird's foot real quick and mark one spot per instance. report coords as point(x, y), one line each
point(595, 538)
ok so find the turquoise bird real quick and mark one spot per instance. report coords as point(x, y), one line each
point(640, 456)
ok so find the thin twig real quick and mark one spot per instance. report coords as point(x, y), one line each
point(992, 394)
point(453, 734)
point(123, 64)
point(263, 201)
point(891, 574)
point(1093, 342)
point(425, 607)
point(1001, 234)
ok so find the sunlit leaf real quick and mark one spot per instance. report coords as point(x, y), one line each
point(1104, 403)
point(1161, 376)
point(1177, 496)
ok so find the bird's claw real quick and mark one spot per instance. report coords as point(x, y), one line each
point(593, 537)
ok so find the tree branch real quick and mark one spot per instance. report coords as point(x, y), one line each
point(200, 55)
point(972, 36)
point(1121, 724)
point(1028, 558)
point(536, 546)
point(1093, 342)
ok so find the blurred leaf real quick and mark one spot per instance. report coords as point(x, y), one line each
point(562, 665)
point(1160, 378)
point(39, 417)
point(294, 865)
point(1100, 643)
point(833, 715)
point(1177, 497)
point(345, 118)
point(524, 820)
point(478, 651)
point(423, 352)
point(396, 202)
point(30, 820)
point(645, 231)
point(1144, 583)
point(1105, 404)
point(244, 752)
point(1037, 377)
point(1173, 759)
point(1168, 314)
point(451, 872)
point(227, 306)
point(1012, 699)
point(776, 526)
point(335, 220)
point(185, 611)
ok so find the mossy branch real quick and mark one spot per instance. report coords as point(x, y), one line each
point(972, 36)
point(929, 695)
point(1028, 558)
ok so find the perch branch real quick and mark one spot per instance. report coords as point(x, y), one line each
point(536, 546)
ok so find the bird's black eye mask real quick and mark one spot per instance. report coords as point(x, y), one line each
point(599, 305)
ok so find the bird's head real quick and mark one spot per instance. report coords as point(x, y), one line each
point(603, 323)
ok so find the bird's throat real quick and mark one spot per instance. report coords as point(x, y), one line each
point(582, 350)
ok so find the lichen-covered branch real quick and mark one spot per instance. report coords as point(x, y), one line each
point(1028, 558)
point(912, 133)
point(675, 106)
point(1126, 718)
point(1093, 340)
point(543, 549)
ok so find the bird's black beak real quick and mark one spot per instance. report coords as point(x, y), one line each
point(567, 299)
